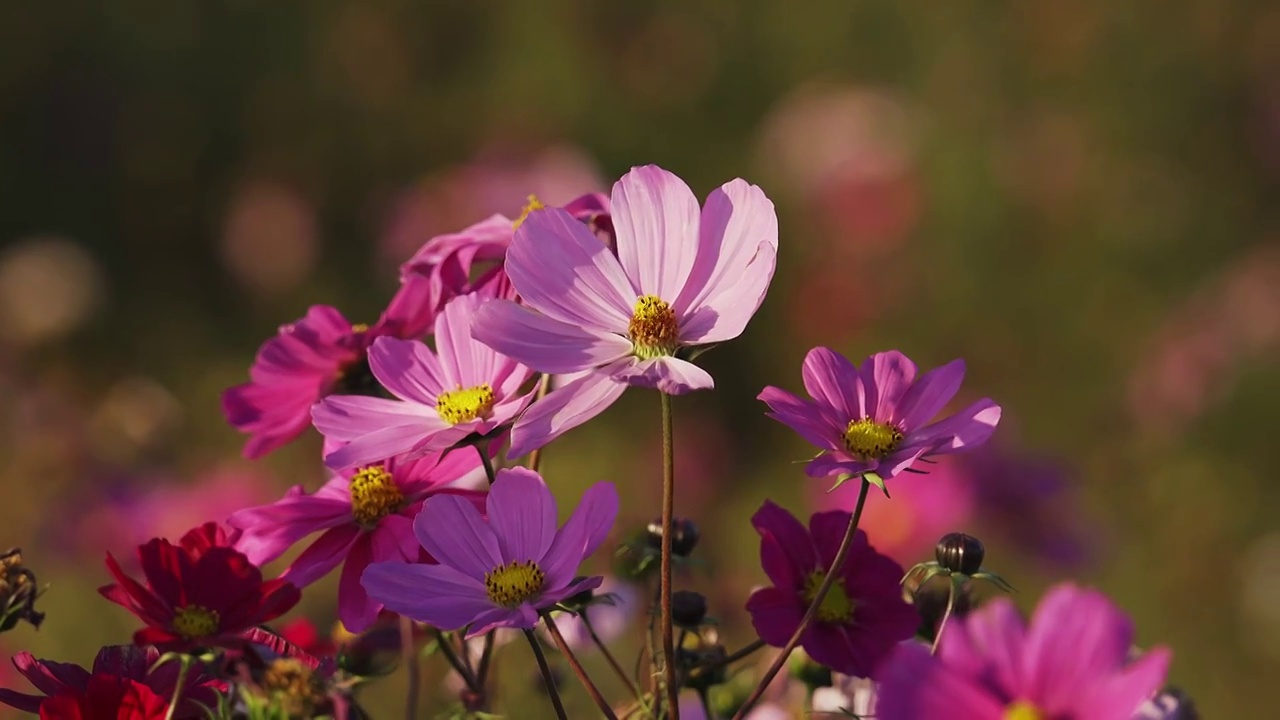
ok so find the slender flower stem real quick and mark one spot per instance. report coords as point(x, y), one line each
point(184, 665)
point(544, 386)
point(546, 675)
point(946, 615)
point(578, 670)
point(729, 659)
point(410, 653)
point(668, 522)
point(482, 673)
point(456, 662)
point(483, 448)
point(613, 662)
point(832, 573)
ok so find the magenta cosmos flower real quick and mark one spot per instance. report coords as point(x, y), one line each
point(463, 388)
point(1071, 664)
point(320, 354)
point(872, 419)
point(363, 516)
point(861, 618)
point(498, 572)
point(681, 277)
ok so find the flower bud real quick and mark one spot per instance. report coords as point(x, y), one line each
point(684, 536)
point(18, 592)
point(688, 608)
point(960, 553)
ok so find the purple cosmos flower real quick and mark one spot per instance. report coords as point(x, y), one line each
point(681, 277)
point(872, 419)
point(364, 516)
point(1072, 663)
point(498, 572)
point(461, 389)
point(863, 615)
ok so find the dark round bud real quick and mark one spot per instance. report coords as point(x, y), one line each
point(579, 600)
point(688, 608)
point(684, 536)
point(708, 668)
point(960, 553)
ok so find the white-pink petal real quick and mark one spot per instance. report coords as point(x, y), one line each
point(655, 220)
point(542, 343)
point(562, 410)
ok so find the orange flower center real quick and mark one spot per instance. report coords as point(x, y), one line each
point(653, 328)
point(374, 495)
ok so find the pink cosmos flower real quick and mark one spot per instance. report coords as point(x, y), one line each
point(501, 571)
point(681, 278)
point(861, 618)
point(364, 516)
point(1072, 663)
point(872, 419)
point(463, 388)
point(320, 354)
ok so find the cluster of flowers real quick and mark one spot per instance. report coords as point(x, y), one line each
point(536, 325)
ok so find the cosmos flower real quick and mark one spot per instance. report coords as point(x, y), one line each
point(199, 593)
point(500, 571)
point(681, 278)
point(122, 661)
point(363, 516)
point(861, 618)
point(463, 388)
point(1072, 663)
point(872, 419)
point(105, 697)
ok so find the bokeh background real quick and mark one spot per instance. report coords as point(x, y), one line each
point(1077, 197)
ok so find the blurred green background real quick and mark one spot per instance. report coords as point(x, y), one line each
point(1077, 197)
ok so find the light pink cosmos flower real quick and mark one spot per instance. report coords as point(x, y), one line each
point(463, 388)
point(873, 418)
point(500, 571)
point(363, 517)
point(681, 278)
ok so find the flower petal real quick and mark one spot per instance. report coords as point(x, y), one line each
point(562, 410)
point(968, 428)
point(356, 609)
point(465, 362)
point(522, 513)
point(787, 553)
point(655, 219)
point(914, 684)
point(833, 381)
point(434, 594)
point(988, 642)
point(323, 555)
point(452, 530)
point(803, 416)
point(928, 395)
point(585, 530)
point(886, 376)
point(421, 433)
point(407, 369)
point(775, 614)
point(544, 344)
point(670, 375)
point(563, 271)
point(1120, 697)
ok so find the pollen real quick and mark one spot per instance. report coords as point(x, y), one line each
point(195, 621)
point(374, 495)
point(871, 440)
point(359, 328)
point(511, 584)
point(1023, 710)
point(653, 328)
point(836, 606)
point(459, 406)
point(531, 204)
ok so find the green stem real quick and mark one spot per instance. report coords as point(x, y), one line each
point(184, 665)
point(456, 662)
point(544, 386)
point(668, 522)
point(812, 613)
point(483, 449)
point(578, 670)
point(410, 653)
point(608, 656)
point(546, 675)
point(946, 615)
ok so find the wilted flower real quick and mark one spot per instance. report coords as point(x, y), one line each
point(363, 516)
point(461, 389)
point(500, 571)
point(872, 419)
point(861, 618)
point(681, 278)
point(122, 661)
point(1072, 663)
point(18, 592)
point(199, 593)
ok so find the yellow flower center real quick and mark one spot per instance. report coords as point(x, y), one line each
point(294, 685)
point(532, 204)
point(360, 327)
point(1023, 710)
point(836, 607)
point(465, 405)
point(871, 440)
point(374, 495)
point(194, 621)
point(511, 584)
point(653, 328)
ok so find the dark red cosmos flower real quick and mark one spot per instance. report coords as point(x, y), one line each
point(199, 593)
point(106, 697)
point(124, 661)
